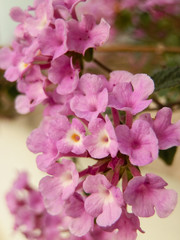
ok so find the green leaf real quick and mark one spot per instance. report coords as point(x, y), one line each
point(129, 174)
point(168, 155)
point(88, 56)
point(167, 78)
point(123, 20)
point(145, 19)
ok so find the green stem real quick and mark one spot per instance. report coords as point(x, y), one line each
point(102, 65)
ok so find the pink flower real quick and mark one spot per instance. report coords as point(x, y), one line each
point(92, 97)
point(34, 96)
point(60, 186)
point(72, 141)
point(19, 184)
point(30, 215)
point(58, 104)
point(63, 73)
point(14, 61)
point(102, 140)
point(44, 138)
point(126, 227)
point(146, 193)
point(23, 105)
point(99, 9)
point(21, 181)
point(35, 201)
point(130, 92)
point(86, 34)
point(55, 137)
point(66, 8)
point(33, 86)
point(43, 16)
point(33, 25)
point(77, 216)
point(55, 45)
point(95, 234)
point(6, 57)
point(104, 202)
point(117, 77)
point(18, 15)
point(168, 134)
point(139, 142)
point(69, 4)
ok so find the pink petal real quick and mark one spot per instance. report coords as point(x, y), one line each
point(111, 213)
point(94, 204)
point(77, 226)
point(165, 202)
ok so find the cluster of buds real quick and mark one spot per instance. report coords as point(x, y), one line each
point(85, 116)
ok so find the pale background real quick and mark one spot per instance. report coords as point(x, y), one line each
point(15, 157)
point(6, 24)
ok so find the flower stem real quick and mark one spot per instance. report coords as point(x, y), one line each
point(129, 119)
point(102, 65)
point(116, 118)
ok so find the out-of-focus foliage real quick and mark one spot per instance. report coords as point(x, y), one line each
point(142, 27)
point(8, 93)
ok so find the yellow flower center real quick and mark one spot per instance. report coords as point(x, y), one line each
point(75, 137)
point(105, 139)
point(23, 66)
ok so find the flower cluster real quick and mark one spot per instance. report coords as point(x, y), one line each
point(31, 217)
point(86, 115)
point(50, 38)
point(119, 148)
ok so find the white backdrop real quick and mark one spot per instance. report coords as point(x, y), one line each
point(6, 24)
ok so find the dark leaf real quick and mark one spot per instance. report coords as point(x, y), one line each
point(167, 78)
point(88, 56)
point(168, 155)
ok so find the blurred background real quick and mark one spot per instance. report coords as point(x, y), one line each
point(141, 41)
